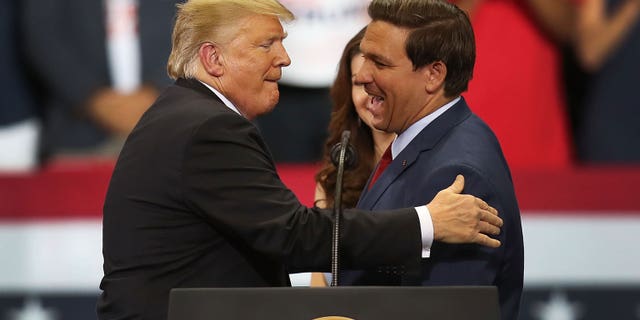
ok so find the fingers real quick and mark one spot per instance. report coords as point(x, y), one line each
point(458, 185)
point(488, 228)
point(487, 241)
point(485, 206)
point(489, 224)
point(491, 218)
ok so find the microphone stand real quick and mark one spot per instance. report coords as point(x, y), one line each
point(337, 205)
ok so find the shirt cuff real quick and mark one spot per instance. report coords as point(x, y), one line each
point(426, 230)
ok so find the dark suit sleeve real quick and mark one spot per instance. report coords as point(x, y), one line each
point(231, 181)
point(471, 264)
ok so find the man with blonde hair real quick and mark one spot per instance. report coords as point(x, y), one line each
point(195, 199)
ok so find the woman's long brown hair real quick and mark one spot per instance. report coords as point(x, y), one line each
point(345, 117)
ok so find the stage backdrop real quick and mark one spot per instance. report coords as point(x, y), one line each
point(581, 229)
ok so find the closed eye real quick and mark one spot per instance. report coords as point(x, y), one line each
point(379, 64)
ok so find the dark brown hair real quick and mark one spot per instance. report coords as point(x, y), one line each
point(345, 117)
point(440, 31)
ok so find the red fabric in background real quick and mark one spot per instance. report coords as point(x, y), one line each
point(516, 86)
point(61, 189)
point(74, 189)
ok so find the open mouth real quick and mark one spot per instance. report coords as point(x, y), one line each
point(375, 104)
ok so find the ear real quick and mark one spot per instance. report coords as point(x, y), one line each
point(435, 75)
point(209, 55)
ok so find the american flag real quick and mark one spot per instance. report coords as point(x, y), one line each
point(581, 227)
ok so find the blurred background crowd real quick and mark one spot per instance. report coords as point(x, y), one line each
point(555, 79)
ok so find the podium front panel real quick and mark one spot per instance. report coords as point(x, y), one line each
point(360, 303)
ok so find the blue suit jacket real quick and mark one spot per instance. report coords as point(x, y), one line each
point(457, 142)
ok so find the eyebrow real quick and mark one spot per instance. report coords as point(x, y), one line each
point(278, 37)
point(282, 36)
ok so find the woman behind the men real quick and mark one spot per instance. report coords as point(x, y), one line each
point(349, 112)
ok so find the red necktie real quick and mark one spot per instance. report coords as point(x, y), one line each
point(384, 162)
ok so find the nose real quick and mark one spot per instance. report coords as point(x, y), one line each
point(363, 75)
point(282, 58)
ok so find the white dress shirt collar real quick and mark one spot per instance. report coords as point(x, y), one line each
point(403, 140)
point(223, 98)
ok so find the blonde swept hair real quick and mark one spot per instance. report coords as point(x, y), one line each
point(200, 21)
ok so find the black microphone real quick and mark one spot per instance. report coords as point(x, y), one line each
point(350, 157)
point(343, 156)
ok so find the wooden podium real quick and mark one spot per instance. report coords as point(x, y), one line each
point(360, 303)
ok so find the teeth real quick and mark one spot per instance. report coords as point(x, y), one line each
point(375, 104)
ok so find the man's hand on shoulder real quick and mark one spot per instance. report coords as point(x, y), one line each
point(463, 218)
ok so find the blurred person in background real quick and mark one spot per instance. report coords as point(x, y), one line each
point(349, 112)
point(315, 40)
point(19, 123)
point(608, 46)
point(517, 83)
point(100, 64)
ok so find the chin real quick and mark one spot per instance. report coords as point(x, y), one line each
point(380, 125)
point(269, 109)
point(273, 100)
point(265, 109)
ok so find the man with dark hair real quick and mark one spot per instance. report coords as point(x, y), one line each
point(419, 58)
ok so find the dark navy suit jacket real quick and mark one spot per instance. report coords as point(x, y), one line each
point(457, 142)
point(66, 48)
point(17, 102)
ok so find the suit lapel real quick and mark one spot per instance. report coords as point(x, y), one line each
point(426, 140)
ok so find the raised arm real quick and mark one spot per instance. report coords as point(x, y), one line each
point(599, 33)
point(556, 18)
